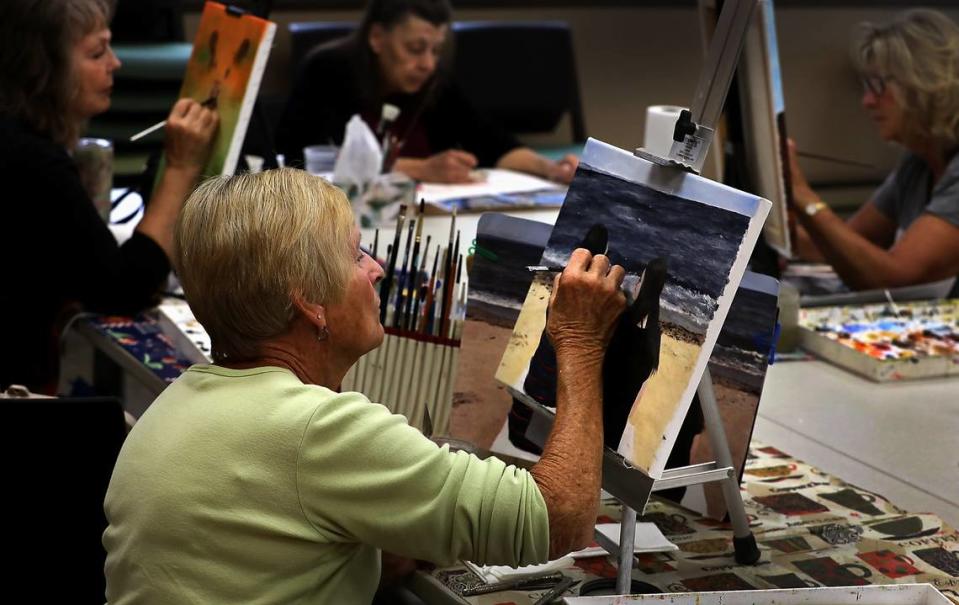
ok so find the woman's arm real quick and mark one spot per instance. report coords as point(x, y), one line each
point(862, 251)
point(189, 136)
point(584, 308)
point(927, 251)
point(524, 159)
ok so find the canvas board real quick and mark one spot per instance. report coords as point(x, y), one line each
point(704, 229)
point(764, 124)
point(229, 57)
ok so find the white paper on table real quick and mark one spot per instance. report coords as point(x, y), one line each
point(496, 181)
point(492, 574)
point(647, 538)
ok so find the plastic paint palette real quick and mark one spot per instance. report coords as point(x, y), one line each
point(886, 342)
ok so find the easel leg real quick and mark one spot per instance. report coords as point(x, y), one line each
point(627, 534)
point(744, 542)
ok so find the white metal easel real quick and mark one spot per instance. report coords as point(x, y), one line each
point(691, 139)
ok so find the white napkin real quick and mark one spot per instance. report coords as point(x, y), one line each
point(500, 573)
point(648, 538)
point(360, 158)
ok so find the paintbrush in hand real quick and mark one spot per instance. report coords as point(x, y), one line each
point(209, 103)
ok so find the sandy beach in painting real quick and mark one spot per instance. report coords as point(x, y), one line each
point(526, 334)
point(656, 403)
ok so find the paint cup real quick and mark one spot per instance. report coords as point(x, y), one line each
point(320, 159)
point(94, 161)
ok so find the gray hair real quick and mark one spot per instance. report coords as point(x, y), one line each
point(245, 245)
point(919, 52)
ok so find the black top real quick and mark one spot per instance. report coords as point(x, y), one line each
point(327, 94)
point(55, 250)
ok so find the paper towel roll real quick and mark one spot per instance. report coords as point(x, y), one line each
point(660, 123)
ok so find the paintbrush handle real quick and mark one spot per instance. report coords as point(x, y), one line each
point(828, 158)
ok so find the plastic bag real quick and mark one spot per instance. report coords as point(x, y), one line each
point(360, 157)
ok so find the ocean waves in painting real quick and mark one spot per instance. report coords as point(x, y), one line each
point(644, 224)
point(747, 368)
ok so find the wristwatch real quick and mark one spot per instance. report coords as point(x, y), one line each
point(812, 209)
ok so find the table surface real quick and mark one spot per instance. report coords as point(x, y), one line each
point(900, 439)
point(812, 528)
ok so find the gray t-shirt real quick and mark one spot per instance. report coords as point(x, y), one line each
point(905, 194)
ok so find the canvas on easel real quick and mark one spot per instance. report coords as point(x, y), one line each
point(705, 232)
point(229, 56)
point(764, 125)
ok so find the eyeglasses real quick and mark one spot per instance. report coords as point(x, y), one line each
point(874, 84)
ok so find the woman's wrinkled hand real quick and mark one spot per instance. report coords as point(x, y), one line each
point(586, 303)
point(190, 131)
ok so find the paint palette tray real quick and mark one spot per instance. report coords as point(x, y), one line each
point(890, 594)
point(886, 342)
point(189, 336)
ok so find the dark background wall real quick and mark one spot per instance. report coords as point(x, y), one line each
point(634, 54)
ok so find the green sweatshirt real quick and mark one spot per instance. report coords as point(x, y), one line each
point(249, 486)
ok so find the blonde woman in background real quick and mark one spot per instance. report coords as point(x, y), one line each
point(908, 233)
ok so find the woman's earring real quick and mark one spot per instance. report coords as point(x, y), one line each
point(322, 333)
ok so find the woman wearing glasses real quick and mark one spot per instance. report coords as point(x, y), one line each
point(909, 231)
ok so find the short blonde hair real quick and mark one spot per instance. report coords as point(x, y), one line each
point(919, 51)
point(246, 244)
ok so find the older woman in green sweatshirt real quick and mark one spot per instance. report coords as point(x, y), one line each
point(254, 480)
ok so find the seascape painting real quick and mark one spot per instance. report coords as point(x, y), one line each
point(698, 232)
point(738, 368)
point(499, 280)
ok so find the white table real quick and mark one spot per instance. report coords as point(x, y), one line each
point(900, 439)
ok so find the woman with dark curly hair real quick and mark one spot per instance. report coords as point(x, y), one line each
point(400, 54)
point(909, 232)
point(56, 72)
